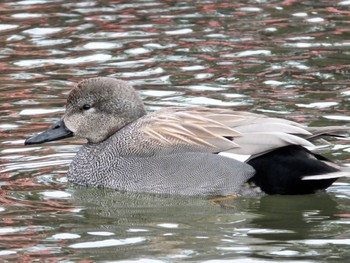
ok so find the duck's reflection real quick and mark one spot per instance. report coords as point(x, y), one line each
point(170, 225)
point(292, 217)
point(268, 217)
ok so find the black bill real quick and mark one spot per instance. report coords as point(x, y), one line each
point(57, 132)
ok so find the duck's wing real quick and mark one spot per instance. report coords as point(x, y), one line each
point(213, 130)
point(185, 129)
point(261, 134)
point(337, 131)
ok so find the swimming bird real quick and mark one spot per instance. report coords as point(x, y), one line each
point(186, 150)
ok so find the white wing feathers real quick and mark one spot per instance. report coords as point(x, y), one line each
point(261, 142)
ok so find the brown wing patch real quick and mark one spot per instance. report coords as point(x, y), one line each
point(219, 130)
point(190, 127)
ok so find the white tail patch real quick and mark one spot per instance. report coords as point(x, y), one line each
point(239, 157)
point(327, 176)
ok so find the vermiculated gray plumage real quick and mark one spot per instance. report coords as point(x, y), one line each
point(188, 173)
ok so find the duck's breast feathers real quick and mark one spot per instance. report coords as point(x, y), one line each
point(211, 130)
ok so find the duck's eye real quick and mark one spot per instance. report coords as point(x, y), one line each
point(86, 107)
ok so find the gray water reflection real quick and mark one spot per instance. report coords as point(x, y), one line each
point(189, 228)
point(282, 58)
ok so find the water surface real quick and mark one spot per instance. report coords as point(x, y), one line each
point(281, 58)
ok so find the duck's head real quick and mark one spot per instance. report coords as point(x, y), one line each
point(96, 108)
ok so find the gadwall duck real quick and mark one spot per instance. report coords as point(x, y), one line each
point(186, 150)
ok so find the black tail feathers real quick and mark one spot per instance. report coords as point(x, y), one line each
point(281, 171)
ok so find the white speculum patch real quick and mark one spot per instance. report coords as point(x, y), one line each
point(238, 157)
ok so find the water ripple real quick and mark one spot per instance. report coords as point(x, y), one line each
point(280, 58)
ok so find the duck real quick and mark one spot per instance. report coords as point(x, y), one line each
point(195, 151)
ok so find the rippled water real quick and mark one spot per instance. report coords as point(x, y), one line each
point(282, 58)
